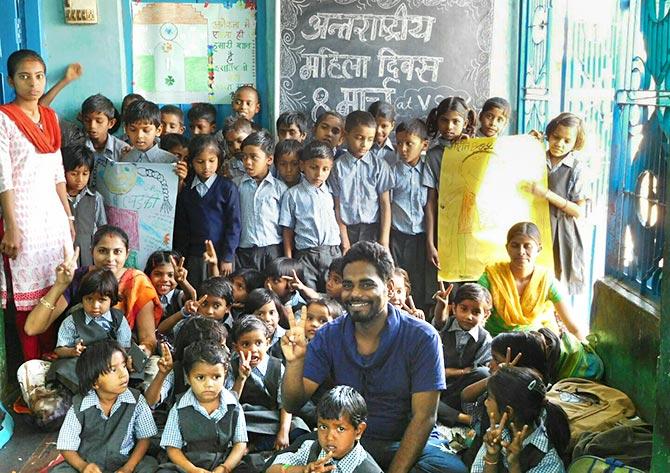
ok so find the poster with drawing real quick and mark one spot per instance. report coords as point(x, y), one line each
point(193, 52)
point(481, 196)
point(140, 198)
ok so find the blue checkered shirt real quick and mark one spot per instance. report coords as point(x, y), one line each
point(68, 335)
point(346, 464)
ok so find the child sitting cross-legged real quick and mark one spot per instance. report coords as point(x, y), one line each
point(257, 380)
point(206, 429)
point(341, 423)
point(109, 425)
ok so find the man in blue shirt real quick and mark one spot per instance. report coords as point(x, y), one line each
point(393, 359)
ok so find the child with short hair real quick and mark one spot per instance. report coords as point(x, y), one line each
point(265, 304)
point(172, 120)
point(308, 216)
point(292, 125)
point(287, 161)
point(319, 312)
point(208, 209)
point(334, 279)
point(360, 185)
point(408, 199)
point(206, 427)
point(342, 413)
point(466, 344)
point(384, 114)
point(329, 127)
point(202, 119)
point(127, 101)
point(176, 144)
point(109, 426)
point(246, 102)
point(86, 205)
point(494, 117)
point(280, 275)
point(257, 380)
point(233, 132)
point(244, 280)
point(143, 126)
point(400, 294)
point(260, 197)
point(216, 300)
point(99, 117)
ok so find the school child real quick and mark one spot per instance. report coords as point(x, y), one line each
point(207, 209)
point(279, 276)
point(264, 304)
point(467, 348)
point(329, 127)
point(168, 276)
point(206, 427)
point(233, 132)
point(287, 161)
point(90, 321)
point(86, 205)
point(307, 216)
point(143, 126)
point(360, 186)
point(494, 117)
point(202, 119)
point(176, 144)
point(334, 279)
point(292, 126)
point(451, 119)
point(260, 197)
point(257, 379)
point(408, 199)
point(567, 195)
point(527, 433)
point(341, 422)
point(109, 426)
point(246, 102)
point(127, 101)
point(382, 148)
point(400, 294)
point(244, 280)
point(99, 117)
point(215, 302)
point(172, 120)
point(319, 312)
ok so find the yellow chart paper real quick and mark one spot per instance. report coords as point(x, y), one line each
point(481, 197)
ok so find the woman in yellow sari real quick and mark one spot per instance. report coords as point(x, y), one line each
point(525, 296)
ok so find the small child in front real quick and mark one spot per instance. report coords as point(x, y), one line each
point(143, 126)
point(109, 426)
point(341, 422)
point(310, 230)
point(86, 205)
point(260, 197)
point(206, 428)
point(360, 185)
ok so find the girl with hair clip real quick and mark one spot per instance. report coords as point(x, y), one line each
point(452, 119)
point(527, 433)
point(567, 195)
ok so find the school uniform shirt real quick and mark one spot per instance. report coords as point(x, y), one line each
point(346, 464)
point(431, 171)
point(483, 355)
point(153, 155)
point(386, 152)
point(112, 152)
point(259, 371)
point(358, 183)
point(88, 210)
point(260, 204)
point(141, 424)
point(551, 463)
point(408, 197)
point(310, 212)
point(68, 336)
point(172, 436)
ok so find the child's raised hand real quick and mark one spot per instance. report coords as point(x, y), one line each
point(441, 297)
point(209, 256)
point(294, 343)
point(181, 169)
point(321, 465)
point(245, 365)
point(508, 358)
point(73, 72)
point(412, 310)
point(191, 306)
point(513, 448)
point(493, 435)
point(79, 348)
point(180, 272)
point(65, 270)
point(165, 362)
point(294, 282)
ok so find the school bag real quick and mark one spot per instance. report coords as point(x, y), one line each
point(630, 443)
point(590, 406)
point(591, 464)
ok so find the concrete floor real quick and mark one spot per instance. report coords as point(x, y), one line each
point(28, 449)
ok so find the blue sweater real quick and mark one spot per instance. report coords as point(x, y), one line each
point(216, 217)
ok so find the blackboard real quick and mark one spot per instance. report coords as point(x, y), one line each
point(345, 54)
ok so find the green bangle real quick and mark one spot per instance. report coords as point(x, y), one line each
point(285, 467)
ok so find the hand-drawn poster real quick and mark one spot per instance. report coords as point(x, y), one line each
point(140, 198)
point(193, 52)
point(344, 55)
point(482, 194)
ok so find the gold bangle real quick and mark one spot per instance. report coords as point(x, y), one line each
point(47, 304)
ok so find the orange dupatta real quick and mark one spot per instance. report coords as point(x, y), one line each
point(136, 291)
point(45, 139)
